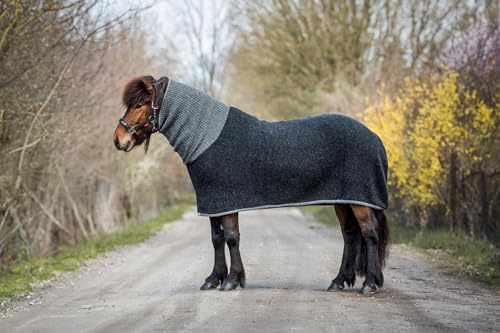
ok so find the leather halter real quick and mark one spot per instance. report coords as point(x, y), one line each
point(153, 118)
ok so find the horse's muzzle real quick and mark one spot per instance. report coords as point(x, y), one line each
point(125, 146)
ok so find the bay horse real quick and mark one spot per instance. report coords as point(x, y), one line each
point(237, 162)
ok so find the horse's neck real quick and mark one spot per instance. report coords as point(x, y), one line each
point(190, 119)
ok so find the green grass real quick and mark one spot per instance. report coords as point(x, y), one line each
point(470, 258)
point(324, 214)
point(20, 277)
point(467, 257)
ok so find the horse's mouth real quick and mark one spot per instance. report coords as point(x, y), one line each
point(132, 144)
point(128, 147)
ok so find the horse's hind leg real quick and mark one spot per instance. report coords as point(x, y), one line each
point(232, 236)
point(349, 228)
point(219, 272)
point(375, 233)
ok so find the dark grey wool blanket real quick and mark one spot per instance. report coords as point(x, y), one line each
point(245, 163)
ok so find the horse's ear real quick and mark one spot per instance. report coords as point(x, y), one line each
point(136, 89)
point(146, 85)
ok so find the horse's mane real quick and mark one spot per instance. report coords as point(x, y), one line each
point(136, 89)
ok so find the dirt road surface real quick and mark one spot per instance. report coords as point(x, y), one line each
point(289, 259)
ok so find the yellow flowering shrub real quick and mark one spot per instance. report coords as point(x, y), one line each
point(422, 127)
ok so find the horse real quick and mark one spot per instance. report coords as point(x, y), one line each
point(237, 162)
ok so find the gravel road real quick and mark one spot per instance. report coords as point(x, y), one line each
point(289, 260)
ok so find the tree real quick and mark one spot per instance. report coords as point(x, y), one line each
point(425, 129)
point(205, 27)
point(289, 55)
point(289, 50)
point(61, 71)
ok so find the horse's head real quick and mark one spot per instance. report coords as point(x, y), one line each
point(142, 97)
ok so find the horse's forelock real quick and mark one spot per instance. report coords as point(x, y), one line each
point(136, 89)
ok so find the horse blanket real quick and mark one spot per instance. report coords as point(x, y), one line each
point(237, 162)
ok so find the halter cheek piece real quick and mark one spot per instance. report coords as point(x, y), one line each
point(153, 117)
point(152, 120)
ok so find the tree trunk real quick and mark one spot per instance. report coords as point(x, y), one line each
point(468, 226)
point(453, 191)
point(483, 192)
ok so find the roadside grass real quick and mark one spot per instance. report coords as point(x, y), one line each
point(474, 259)
point(23, 276)
point(324, 214)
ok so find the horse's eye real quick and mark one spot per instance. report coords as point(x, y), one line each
point(138, 106)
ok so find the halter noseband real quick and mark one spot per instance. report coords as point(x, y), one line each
point(153, 117)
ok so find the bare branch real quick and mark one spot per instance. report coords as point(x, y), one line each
point(47, 212)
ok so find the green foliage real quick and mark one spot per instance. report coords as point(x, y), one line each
point(21, 276)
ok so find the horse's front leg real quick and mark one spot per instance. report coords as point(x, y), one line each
point(219, 271)
point(232, 236)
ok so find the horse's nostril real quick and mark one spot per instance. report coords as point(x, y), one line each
point(117, 143)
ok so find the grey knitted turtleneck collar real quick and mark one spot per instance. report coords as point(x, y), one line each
point(190, 119)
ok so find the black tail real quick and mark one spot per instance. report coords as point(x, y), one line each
point(360, 264)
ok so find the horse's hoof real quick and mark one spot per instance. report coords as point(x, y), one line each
point(335, 286)
point(368, 289)
point(228, 285)
point(207, 285)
